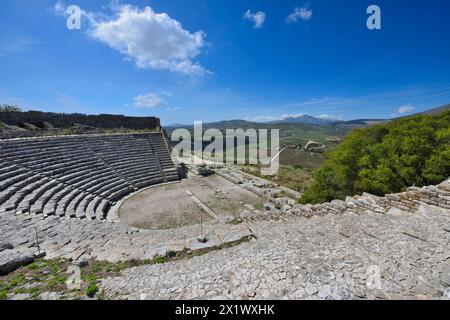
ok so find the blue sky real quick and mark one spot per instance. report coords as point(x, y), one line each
point(236, 59)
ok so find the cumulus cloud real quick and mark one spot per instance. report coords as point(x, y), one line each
point(406, 109)
point(148, 101)
point(302, 13)
point(257, 18)
point(152, 40)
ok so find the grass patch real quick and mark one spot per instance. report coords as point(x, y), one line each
point(293, 177)
point(36, 278)
point(51, 275)
point(91, 290)
point(3, 294)
point(160, 260)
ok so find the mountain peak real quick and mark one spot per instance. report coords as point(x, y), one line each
point(306, 119)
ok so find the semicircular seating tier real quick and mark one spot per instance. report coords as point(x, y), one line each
point(80, 176)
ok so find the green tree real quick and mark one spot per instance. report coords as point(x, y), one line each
point(385, 158)
point(9, 108)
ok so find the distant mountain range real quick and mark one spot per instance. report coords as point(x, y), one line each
point(310, 120)
point(305, 119)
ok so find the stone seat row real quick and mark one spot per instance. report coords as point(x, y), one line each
point(79, 177)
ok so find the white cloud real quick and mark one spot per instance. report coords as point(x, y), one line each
point(406, 109)
point(267, 118)
point(59, 8)
point(150, 100)
point(169, 109)
point(258, 18)
point(329, 117)
point(17, 43)
point(263, 118)
point(303, 13)
point(291, 115)
point(152, 40)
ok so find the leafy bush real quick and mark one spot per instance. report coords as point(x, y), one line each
point(171, 254)
point(160, 260)
point(91, 290)
point(9, 108)
point(385, 158)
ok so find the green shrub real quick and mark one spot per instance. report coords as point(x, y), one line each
point(18, 280)
point(386, 158)
point(3, 294)
point(171, 254)
point(91, 290)
point(160, 259)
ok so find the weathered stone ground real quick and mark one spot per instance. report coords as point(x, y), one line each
point(395, 247)
point(80, 240)
point(171, 206)
point(387, 256)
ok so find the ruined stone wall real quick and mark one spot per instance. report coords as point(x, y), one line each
point(408, 201)
point(62, 120)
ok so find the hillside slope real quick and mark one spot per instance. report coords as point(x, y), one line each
point(386, 158)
